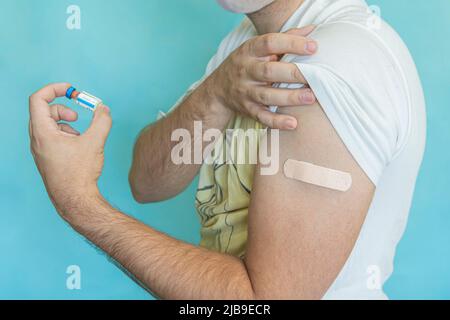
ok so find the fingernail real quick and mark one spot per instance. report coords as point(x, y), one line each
point(311, 46)
point(106, 108)
point(309, 97)
point(290, 124)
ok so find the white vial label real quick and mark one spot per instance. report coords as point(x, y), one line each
point(88, 101)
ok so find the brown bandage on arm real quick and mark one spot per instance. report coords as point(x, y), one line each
point(316, 175)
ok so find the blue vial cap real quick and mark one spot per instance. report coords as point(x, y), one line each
point(69, 92)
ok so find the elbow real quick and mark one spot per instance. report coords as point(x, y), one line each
point(144, 192)
point(136, 188)
point(139, 197)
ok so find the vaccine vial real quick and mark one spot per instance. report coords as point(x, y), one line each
point(83, 99)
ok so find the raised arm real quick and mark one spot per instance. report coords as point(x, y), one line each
point(242, 84)
point(153, 175)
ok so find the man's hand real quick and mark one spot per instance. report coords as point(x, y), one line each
point(69, 163)
point(244, 82)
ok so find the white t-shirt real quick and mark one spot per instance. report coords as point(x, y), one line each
point(368, 86)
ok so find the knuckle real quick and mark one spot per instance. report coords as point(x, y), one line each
point(247, 46)
point(242, 91)
point(293, 43)
point(267, 71)
point(295, 73)
point(295, 98)
point(298, 44)
point(267, 120)
point(253, 70)
point(268, 42)
point(276, 122)
point(264, 97)
point(241, 70)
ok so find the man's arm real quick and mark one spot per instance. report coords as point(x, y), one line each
point(153, 175)
point(242, 84)
point(300, 235)
point(169, 268)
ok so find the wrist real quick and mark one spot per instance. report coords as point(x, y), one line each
point(74, 206)
point(214, 92)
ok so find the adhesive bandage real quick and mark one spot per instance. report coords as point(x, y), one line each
point(316, 175)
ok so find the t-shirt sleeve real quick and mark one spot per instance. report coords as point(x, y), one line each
point(360, 88)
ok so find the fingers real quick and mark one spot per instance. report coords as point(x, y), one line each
point(280, 44)
point(272, 72)
point(52, 91)
point(283, 97)
point(100, 126)
point(273, 120)
point(62, 113)
point(303, 32)
point(64, 127)
point(39, 103)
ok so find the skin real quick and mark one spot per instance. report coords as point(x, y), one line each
point(272, 18)
point(241, 85)
point(304, 232)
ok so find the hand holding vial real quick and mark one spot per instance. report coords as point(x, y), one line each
point(69, 162)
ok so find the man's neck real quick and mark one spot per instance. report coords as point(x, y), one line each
point(274, 16)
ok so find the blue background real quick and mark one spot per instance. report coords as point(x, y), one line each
point(140, 56)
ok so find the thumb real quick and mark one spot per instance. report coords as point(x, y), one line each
point(100, 125)
point(303, 32)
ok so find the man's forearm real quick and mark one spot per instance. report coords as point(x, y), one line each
point(169, 268)
point(153, 176)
